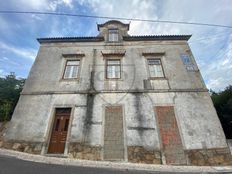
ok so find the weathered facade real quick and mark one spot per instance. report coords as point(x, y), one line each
point(118, 97)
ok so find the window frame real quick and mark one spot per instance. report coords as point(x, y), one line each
point(148, 68)
point(106, 68)
point(117, 32)
point(65, 66)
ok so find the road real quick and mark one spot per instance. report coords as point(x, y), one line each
point(11, 165)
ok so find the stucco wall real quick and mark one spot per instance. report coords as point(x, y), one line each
point(33, 115)
point(197, 120)
point(45, 89)
point(49, 66)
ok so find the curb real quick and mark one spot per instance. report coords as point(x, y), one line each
point(113, 165)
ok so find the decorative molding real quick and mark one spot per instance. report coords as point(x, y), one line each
point(113, 52)
point(115, 91)
point(148, 53)
point(77, 54)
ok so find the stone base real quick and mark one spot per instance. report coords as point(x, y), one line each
point(138, 154)
point(87, 152)
point(210, 157)
point(28, 147)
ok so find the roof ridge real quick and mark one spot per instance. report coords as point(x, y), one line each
point(101, 38)
point(159, 35)
point(64, 37)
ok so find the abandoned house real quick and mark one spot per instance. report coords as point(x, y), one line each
point(117, 97)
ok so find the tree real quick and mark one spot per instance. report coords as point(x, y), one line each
point(10, 88)
point(223, 104)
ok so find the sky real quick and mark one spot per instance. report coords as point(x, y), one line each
point(211, 46)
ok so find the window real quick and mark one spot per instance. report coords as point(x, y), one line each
point(113, 35)
point(113, 68)
point(186, 59)
point(155, 68)
point(71, 69)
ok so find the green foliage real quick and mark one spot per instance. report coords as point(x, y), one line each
point(223, 104)
point(10, 89)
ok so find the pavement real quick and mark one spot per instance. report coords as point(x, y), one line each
point(19, 162)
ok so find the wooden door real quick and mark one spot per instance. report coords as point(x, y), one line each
point(170, 136)
point(113, 133)
point(59, 131)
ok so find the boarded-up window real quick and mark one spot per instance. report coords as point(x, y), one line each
point(113, 68)
point(71, 69)
point(155, 67)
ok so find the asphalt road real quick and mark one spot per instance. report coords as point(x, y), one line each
point(10, 165)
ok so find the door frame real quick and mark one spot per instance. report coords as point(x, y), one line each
point(50, 128)
point(124, 130)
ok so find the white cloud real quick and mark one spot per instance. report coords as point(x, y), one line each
point(204, 41)
point(33, 4)
point(26, 53)
point(49, 5)
point(3, 73)
point(37, 17)
point(53, 5)
point(68, 3)
point(217, 71)
point(5, 58)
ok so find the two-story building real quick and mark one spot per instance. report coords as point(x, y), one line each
point(118, 97)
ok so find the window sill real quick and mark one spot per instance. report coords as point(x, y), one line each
point(113, 43)
point(70, 80)
point(157, 78)
point(113, 79)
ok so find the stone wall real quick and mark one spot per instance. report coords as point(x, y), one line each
point(208, 157)
point(28, 147)
point(82, 151)
point(22, 146)
point(138, 154)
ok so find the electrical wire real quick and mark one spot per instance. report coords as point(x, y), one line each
point(115, 18)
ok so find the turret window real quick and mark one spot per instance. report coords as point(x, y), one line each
point(113, 35)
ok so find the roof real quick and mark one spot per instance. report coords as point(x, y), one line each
point(70, 39)
point(157, 37)
point(125, 38)
point(111, 22)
